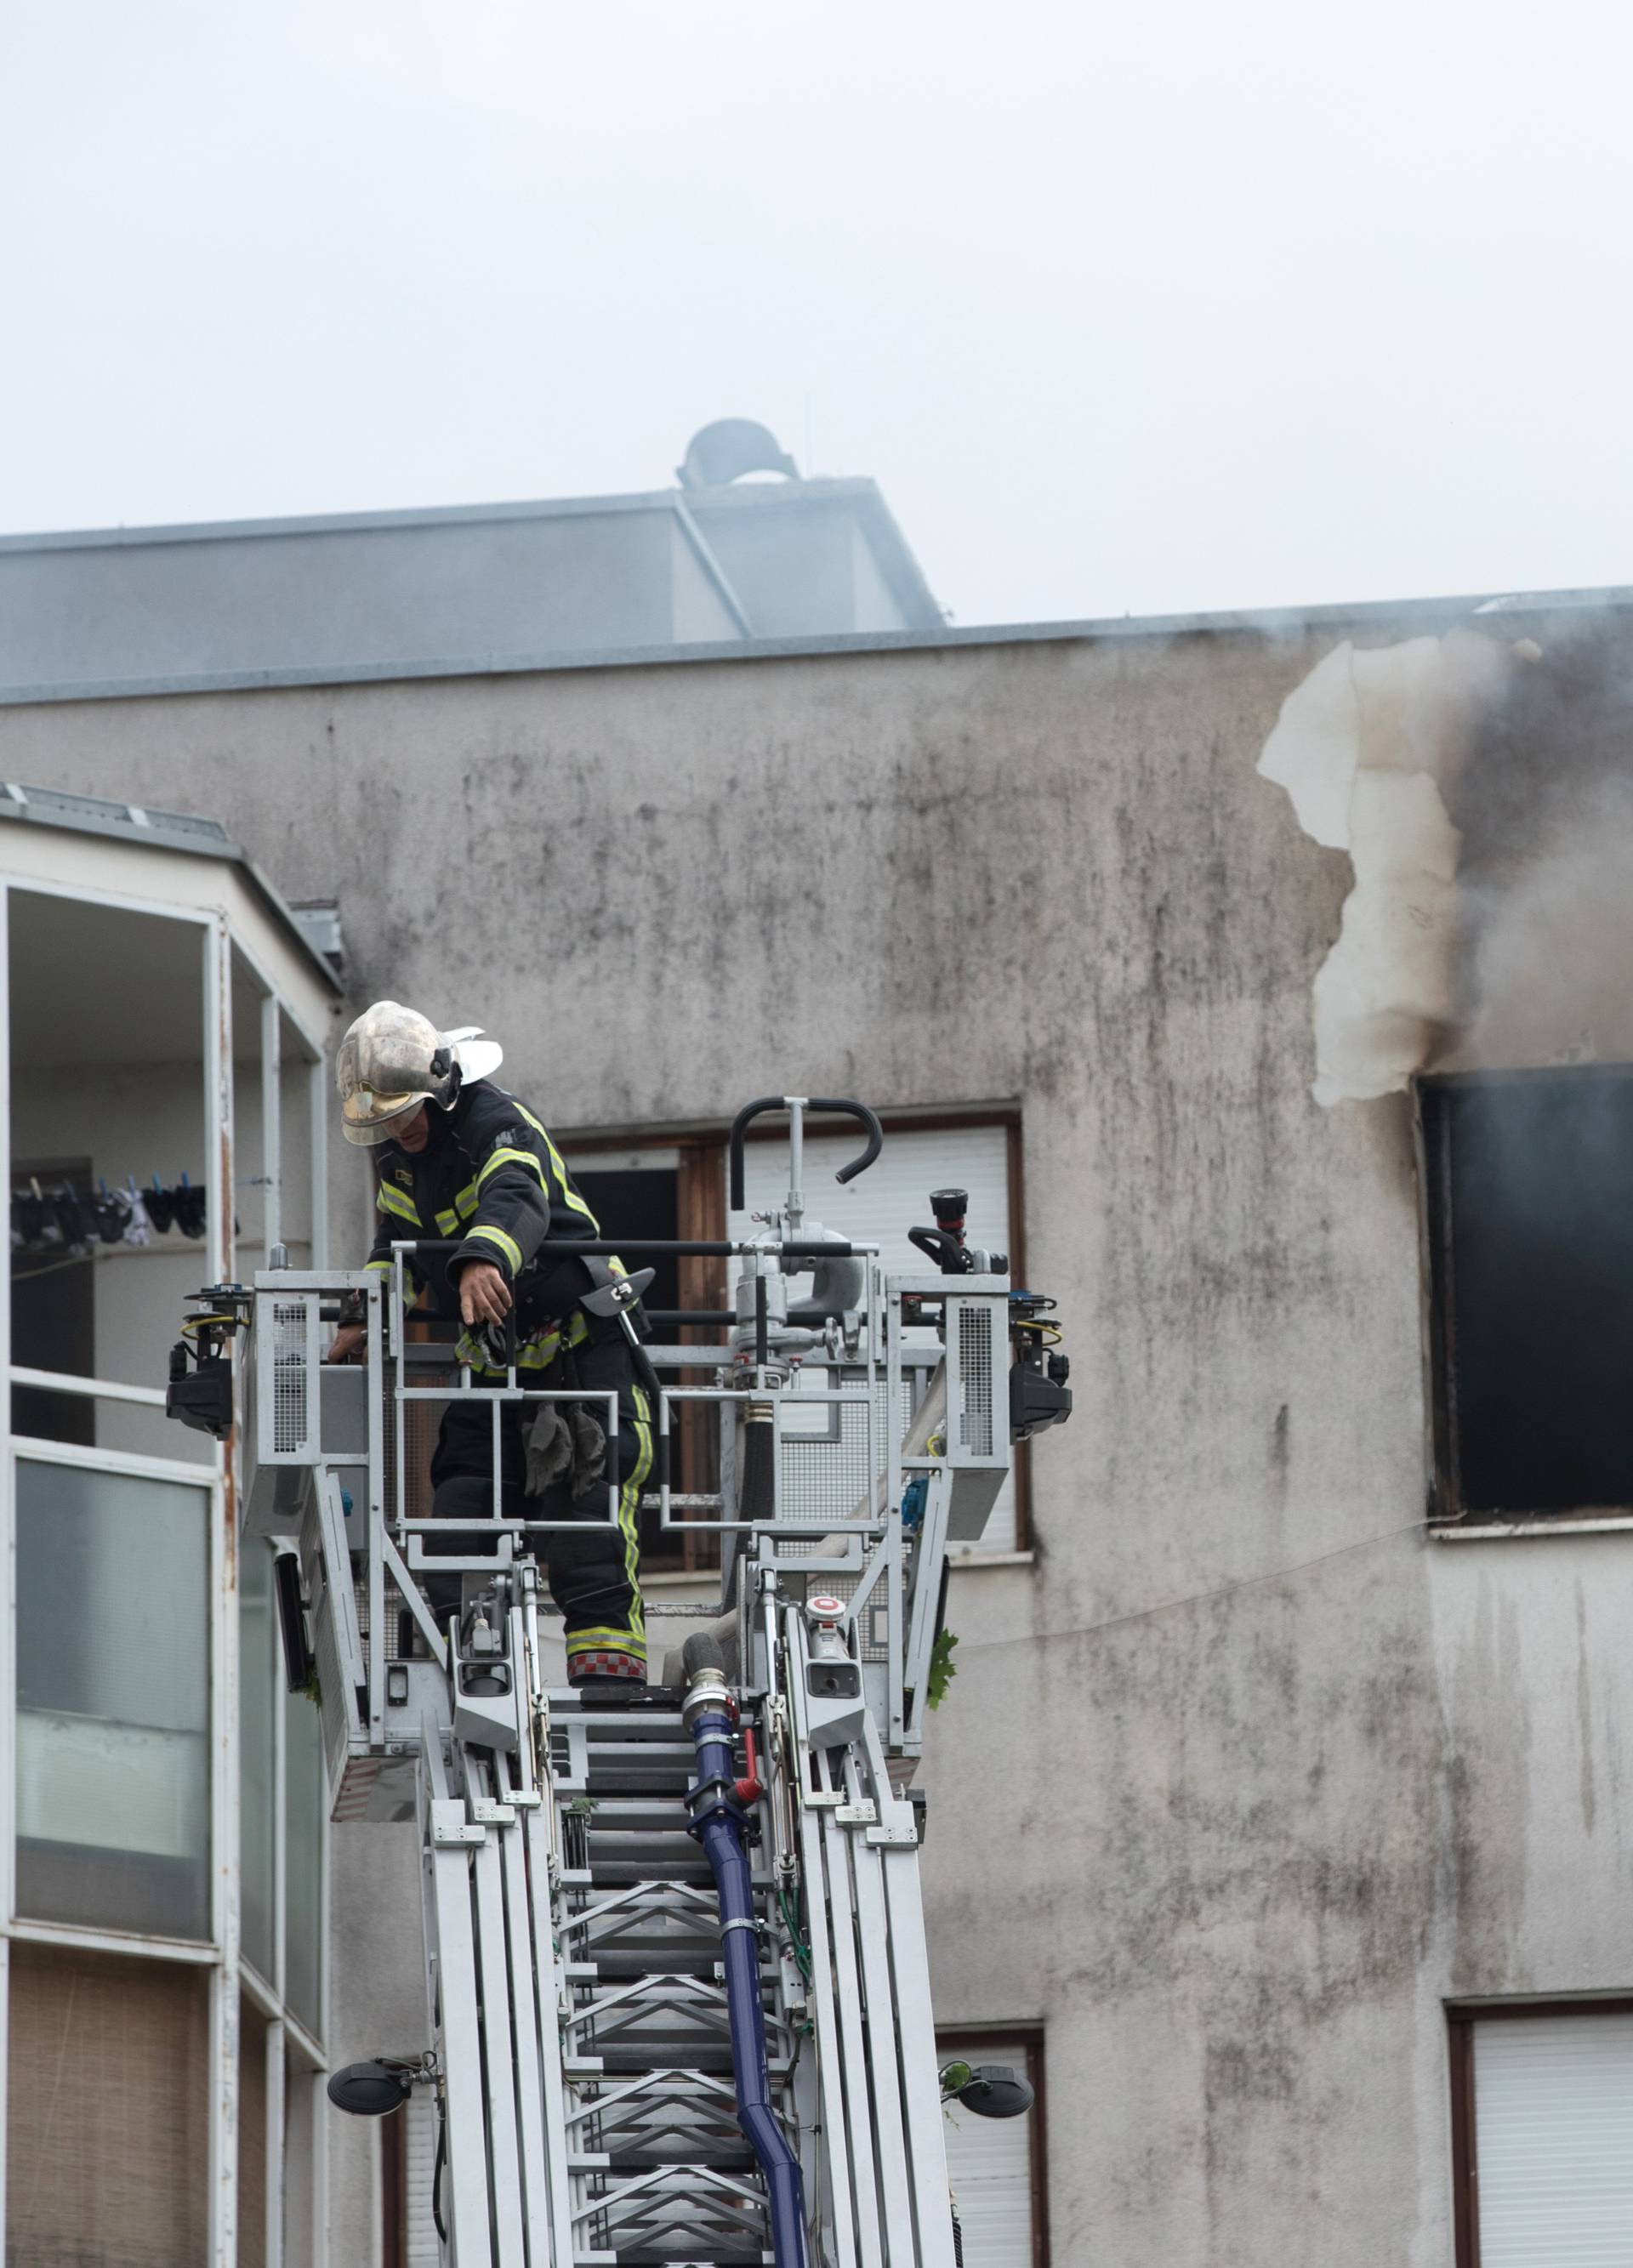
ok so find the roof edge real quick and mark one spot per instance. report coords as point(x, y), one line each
point(1271, 622)
point(350, 523)
point(191, 834)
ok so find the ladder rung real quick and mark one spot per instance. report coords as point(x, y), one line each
point(624, 1873)
point(647, 2257)
point(619, 1840)
point(638, 1815)
point(647, 2161)
point(712, 2057)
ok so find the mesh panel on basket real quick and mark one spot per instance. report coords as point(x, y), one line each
point(291, 1420)
point(823, 1478)
point(975, 1378)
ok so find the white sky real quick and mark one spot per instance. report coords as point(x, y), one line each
point(1129, 309)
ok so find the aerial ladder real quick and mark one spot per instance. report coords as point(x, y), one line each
point(677, 1986)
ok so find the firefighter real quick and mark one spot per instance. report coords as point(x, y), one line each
point(456, 1157)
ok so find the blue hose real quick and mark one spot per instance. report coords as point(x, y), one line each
point(717, 1822)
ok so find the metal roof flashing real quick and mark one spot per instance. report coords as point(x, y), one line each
point(158, 830)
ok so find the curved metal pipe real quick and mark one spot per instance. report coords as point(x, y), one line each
point(828, 1105)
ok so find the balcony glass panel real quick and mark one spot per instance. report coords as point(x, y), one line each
point(112, 1700)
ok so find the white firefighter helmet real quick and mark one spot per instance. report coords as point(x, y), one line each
point(393, 1060)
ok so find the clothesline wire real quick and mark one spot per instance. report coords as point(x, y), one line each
point(1193, 1598)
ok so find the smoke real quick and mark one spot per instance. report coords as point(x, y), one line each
point(1370, 747)
point(1483, 790)
point(1546, 873)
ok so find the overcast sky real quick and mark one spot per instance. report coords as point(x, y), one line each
point(1127, 309)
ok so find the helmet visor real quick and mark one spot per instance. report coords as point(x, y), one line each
point(366, 1117)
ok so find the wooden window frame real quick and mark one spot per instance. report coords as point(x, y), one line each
point(1461, 2018)
point(949, 2037)
point(394, 2189)
point(699, 1214)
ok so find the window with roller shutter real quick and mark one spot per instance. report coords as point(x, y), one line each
point(1543, 2134)
point(684, 1184)
point(996, 2165)
point(420, 2249)
point(881, 1206)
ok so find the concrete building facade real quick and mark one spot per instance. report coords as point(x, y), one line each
point(1261, 1801)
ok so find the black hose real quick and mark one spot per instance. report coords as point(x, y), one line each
point(436, 2177)
point(717, 1823)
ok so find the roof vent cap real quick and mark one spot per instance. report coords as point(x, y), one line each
point(719, 454)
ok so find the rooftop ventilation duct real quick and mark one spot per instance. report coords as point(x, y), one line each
point(731, 446)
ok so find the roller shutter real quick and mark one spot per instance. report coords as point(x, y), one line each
point(989, 2163)
point(1554, 2141)
point(421, 2248)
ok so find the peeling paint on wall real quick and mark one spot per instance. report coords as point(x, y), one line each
point(1371, 748)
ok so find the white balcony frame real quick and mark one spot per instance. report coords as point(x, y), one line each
point(217, 1478)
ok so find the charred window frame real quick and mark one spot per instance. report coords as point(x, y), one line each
point(1526, 1186)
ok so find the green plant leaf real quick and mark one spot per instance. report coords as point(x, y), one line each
point(943, 1668)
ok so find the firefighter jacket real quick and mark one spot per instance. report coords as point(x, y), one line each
point(491, 1177)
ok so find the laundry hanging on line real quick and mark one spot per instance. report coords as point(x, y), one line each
point(62, 1221)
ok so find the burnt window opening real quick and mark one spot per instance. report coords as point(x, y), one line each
point(1527, 1182)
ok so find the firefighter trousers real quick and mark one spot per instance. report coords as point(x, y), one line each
point(593, 1567)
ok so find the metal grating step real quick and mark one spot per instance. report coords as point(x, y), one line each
point(655, 1779)
point(620, 1967)
point(610, 2061)
point(619, 1840)
point(643, 2162)
point(620, 1873)
point(640, 1813)
point(623, 1724)
point(644, 2256)
point(661, 1746)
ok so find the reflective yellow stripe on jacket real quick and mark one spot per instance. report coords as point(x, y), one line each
point(559, 1170)
point(507, 1245)
point(499, 1158)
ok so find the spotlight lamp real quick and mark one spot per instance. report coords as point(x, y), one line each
point(375, 2088)
point(992, 2090)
